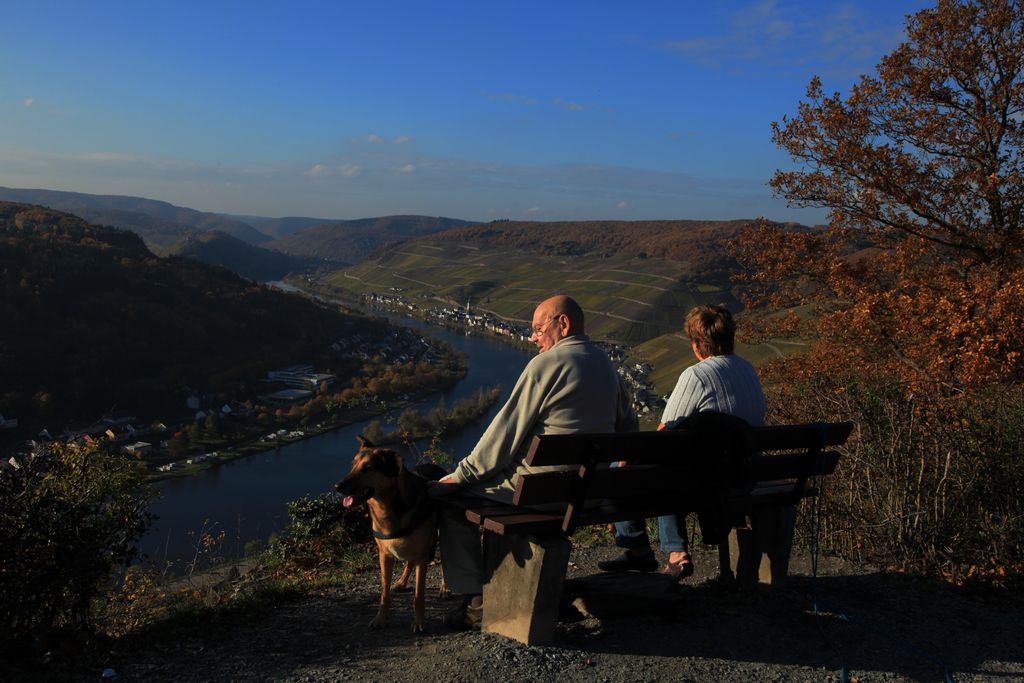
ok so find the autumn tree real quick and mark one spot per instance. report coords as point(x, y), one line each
point(912, 296)
point(921, 169)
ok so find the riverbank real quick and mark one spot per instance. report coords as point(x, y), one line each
point(871, 625)
point(284, 436)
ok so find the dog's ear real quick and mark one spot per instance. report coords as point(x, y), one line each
point(390, 463)
point(364, 442)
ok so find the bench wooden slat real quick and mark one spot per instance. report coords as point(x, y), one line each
point(767, 467)
point(524, 523)
point(509, 519)
point(553, 487)
point(824, 435)
point(476, 515)
point(664, 446)
point(684, 478)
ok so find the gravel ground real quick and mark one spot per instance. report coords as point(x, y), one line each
point(871, 626)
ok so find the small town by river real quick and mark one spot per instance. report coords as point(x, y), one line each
point(246, 499)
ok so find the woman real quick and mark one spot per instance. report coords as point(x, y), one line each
point(720, 381)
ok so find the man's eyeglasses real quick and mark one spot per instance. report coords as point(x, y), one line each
point(538, 329)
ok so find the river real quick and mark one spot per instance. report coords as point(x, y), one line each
point(246, 499)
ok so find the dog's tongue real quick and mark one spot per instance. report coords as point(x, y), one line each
point(347, 501)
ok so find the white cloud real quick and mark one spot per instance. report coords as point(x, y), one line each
point(622, 205)
point(408, 168)
point(316, 171)
point(350, 170)
point(29, 101)
point(373, 137)
point(325, 171)
point(402, 139)
point(535, 209)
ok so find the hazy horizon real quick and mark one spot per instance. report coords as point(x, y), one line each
point(533, 112)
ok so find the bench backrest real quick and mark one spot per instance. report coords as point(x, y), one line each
point(671, 466)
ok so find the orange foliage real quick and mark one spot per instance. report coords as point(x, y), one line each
point(922, 170)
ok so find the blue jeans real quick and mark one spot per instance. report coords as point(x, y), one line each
point(633, 534)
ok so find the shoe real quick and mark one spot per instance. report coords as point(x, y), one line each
point(627, 562)
point(678, 570)
point(468, 615)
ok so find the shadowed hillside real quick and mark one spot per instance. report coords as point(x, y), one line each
point(91, 318)
point(255, 263)
point(352, 241)
point(282, 227)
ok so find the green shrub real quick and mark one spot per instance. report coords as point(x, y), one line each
point(69, 518)
point(321, 533)
point(929, 482)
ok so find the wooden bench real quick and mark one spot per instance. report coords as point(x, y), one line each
point(744, 483)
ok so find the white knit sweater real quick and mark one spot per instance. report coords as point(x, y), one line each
point(725, 384)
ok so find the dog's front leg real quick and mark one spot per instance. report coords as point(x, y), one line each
point(404, 578)
point(387, 565)
point(419, 599)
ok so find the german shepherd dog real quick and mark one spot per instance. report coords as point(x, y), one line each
point(404, 519)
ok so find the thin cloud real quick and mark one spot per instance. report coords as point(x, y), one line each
point(570, 106)
point(513, 99)
point(438, 186)
point(402, 139)
point(28, 101)
point(326, 171)
point(842, 42)
point(373, 137)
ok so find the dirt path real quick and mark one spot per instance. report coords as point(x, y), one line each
point(871, 626)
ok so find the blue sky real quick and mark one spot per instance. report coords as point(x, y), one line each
point(476, 110)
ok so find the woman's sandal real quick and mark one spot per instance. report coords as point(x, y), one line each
point(679, 570)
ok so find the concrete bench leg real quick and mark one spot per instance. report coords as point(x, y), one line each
point(523, 586)
point(760, 551)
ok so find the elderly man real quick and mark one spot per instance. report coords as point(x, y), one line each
point(570, 386)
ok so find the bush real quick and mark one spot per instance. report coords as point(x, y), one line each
point(69, 517)
point(929, 482)
point(322, 533)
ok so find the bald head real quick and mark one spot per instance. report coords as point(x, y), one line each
point(556, 318)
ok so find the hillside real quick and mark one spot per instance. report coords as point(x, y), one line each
point(282, 227)
point(220, 249)
point(634, 280)
point(352, 241)
point(92, 319)
point(160, 224)
point(698, 246)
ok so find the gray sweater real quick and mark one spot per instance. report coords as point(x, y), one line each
point(725, 384)
point(570, 388)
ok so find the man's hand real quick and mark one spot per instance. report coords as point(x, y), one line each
point(445, 486)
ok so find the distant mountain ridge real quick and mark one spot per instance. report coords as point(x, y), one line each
point(220, 249)
point(159, 223)
point(282, 227)
point(352, 241)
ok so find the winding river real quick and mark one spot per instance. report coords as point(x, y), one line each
point(246, 499)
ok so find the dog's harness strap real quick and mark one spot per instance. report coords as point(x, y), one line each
point(422, 511)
